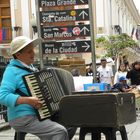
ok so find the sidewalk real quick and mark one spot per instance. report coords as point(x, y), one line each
point(4, 125)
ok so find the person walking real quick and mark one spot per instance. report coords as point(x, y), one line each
point(105, 73)
point(21, 110)
point(125, 62)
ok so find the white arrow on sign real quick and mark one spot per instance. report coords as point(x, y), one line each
point(87, 46)
point(85, 30)
point(73, 43)
point(82, 1)
point(83, 14)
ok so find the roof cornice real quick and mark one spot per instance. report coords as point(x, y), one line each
point(133, 10)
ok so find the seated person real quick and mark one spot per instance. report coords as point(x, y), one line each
point(89, 71)
point(122, 85)
point(75, 72)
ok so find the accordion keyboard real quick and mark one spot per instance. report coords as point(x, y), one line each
point(46, 86)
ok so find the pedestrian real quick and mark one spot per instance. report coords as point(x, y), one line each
point(75, 72)
point(21, 110)
point(126, 62)
point(122, 71)
point(105, 73)
point(89, 70)
point(134, 74)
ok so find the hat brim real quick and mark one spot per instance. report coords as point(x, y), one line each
point(122, 79)
point(33, 42)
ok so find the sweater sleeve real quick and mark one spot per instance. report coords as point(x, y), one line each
point(7, 89)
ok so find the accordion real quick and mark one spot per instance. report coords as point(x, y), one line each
point(47, 86)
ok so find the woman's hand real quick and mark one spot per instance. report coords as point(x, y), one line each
point(33, 101)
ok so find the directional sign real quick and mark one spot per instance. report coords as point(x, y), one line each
point(53, 3)
point(64, 16)
point(65, 32)
point(67, 47)
point(64, 25)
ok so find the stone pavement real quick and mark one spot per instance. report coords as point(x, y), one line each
point(133, 132)
point(3, 125)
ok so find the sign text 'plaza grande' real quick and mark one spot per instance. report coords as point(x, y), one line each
point(45, 3)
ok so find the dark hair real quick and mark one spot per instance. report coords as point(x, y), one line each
point(103, 59)
point(14, 56)
point(124, 56)
point(75, 72)
point(135, 63)
point(121, 65)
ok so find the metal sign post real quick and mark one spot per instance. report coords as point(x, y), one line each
point(91, 14)
point(39, 32)
point(66, 29)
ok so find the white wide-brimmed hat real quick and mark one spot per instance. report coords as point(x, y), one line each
point(21, 42)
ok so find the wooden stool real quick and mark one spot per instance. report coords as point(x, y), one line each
point(109, 132)
point(19, 135)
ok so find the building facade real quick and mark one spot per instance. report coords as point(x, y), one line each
point(116, 16)
point(110, 17)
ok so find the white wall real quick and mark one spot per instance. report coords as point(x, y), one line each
point(33, 9)
point(25, 17)
point(99, 13)
point(107, 16)
point(120, 15)
point(114, 13)
point(121, 20)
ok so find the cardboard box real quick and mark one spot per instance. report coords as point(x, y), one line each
point(97, 87)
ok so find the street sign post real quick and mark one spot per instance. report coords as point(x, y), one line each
point(60, 24)
point(92, 41)
point(66, 29)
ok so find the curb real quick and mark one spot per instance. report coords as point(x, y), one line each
point(4, 126)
